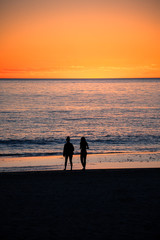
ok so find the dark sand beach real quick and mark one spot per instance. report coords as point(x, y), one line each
point(95, 204)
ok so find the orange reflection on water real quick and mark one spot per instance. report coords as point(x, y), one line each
point(94, 161)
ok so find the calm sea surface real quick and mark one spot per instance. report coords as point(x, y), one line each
point(114, 115)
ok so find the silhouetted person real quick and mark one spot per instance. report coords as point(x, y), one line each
point(68, 152)
point(83, 147)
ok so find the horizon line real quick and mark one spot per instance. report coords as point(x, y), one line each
point(79, 78)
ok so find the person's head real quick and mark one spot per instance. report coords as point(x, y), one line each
point(68, 139)
point(83, 139)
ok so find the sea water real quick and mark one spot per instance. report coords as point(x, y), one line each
point(114, 115)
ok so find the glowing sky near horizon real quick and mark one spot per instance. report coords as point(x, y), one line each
point(79, 39)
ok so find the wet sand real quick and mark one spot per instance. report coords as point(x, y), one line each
point(94, 161)
point(95, 204)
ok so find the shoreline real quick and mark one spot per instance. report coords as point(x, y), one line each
point(77, 154)
point(94, 161)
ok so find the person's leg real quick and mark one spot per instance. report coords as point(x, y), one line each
point(84, 161)
point(81, 157)
point(66, 158)
point(70, 158)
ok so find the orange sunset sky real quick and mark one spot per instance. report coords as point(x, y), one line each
point(79, 39)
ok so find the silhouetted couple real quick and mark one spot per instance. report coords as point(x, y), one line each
point(68, 152)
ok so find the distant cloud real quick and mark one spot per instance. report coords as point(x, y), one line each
point(77, 71)
point(77, 67)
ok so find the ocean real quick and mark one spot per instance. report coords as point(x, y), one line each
point(114, 115)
